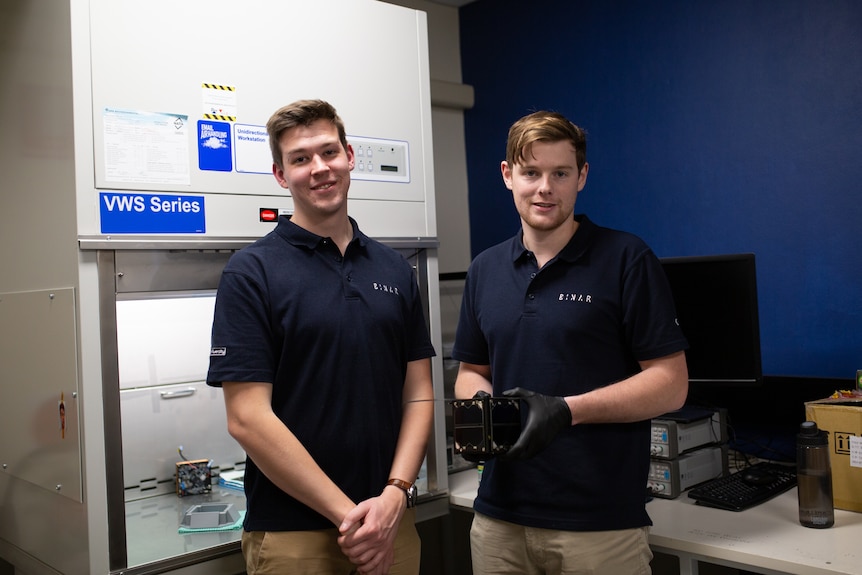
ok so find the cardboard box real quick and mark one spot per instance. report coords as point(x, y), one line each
point(842, 418)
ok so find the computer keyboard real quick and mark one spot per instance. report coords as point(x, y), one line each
point(746, 488)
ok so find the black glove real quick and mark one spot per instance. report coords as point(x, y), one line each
point(547, 415)
point(477, 457)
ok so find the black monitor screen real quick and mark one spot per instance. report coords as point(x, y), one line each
point(716, 303)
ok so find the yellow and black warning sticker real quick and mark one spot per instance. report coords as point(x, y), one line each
point(219, 102)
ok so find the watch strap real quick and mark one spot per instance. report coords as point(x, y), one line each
point(400, 484)
point(408, 488)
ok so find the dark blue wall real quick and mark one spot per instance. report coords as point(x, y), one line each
point(713, 127)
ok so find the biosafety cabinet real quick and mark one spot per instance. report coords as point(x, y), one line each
point(134, 162)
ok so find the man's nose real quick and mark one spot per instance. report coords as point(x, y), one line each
point(317, 163)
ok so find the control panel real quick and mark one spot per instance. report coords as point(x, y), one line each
point(380, 159)
point(669, 478)
point(673, 435)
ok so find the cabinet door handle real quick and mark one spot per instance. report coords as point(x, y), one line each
point(177, 394)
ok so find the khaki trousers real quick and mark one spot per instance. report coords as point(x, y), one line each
point(500, 547)
point(317, 552)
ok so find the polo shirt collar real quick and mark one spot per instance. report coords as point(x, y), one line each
point(301, 237)
point(572, 251)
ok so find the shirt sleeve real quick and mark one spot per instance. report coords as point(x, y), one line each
point(241, 345)
point(470, 344)
point(650, 316)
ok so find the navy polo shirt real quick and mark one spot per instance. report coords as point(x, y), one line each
point(581, 322)
point(333, 335)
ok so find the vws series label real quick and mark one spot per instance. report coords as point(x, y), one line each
point(124, 213)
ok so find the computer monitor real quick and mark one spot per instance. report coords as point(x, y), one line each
point(716, 303)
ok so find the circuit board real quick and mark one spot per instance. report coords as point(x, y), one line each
point(194, 477)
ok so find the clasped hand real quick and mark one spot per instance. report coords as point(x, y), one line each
point(368, 532)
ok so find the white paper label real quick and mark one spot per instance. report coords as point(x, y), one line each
point(855, 451)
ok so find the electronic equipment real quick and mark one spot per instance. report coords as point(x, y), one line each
point(670, 477)
point(717, 309)
point(688, 428)
point(194, 477)
point(747, 488)
point(485, 426)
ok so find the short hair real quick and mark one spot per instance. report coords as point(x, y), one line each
point(300, 113)
point(544, 126)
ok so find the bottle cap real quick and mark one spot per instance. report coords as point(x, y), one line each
point(810, 435)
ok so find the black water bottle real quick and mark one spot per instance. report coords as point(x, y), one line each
point(814, 477)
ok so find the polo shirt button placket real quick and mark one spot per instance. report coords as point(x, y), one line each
point(347, 278)
point(531, 295)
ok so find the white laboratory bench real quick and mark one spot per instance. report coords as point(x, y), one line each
point(764, 539)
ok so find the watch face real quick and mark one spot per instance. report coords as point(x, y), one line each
point(412, 494)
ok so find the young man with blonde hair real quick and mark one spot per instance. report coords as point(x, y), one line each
point(578, 321)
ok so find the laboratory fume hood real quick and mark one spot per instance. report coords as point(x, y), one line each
point(135, 162)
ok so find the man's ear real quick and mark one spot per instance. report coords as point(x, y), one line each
point(506, 173)
point(278, 173)
point(351, 157)
point(582, 176)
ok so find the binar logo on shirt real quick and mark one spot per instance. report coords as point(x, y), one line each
point(576, 297)
point(385, 288)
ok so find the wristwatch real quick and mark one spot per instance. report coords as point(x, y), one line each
point(408, 488)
